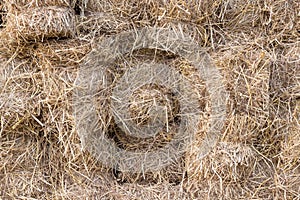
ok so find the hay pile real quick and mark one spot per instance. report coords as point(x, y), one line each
point(254, 44)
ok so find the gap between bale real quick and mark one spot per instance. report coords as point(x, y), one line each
point(2, 14)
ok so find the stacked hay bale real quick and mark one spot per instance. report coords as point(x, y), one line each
point(19, 99)
point(42, 156)
point(284, 110)
point(141, 102)
point(229, 170)
point(250, 121)
point(253, 44)
point(24, 21)
point(38, 144)
point(97, 18)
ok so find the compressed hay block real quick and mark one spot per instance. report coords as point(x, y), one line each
point(19, 102)
point(98, 17)
point(58, 62)
point(10, 49)
point(246, 72)
point(63, 53)
point(32, 89)
point(96, 24)
point(21, 4)
point(290, 144)
point(230, 171)
point(139, 105)
point(45, 167)
point(38, 24)
point(287, 130)
point(20, 168)
point(212, 16)
point(284, 81)
point(40, 149)
point(284, 111)
point(284, 95)
point(230, 161)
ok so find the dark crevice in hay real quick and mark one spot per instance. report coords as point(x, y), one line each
point(269, 143)
point(3, 14)
point(1, 20)
point(77, 8)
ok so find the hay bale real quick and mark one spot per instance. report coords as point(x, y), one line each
point(284, 111)
point(63, 53)
point(228, 171)
point(158, 191)
point(258, 154)
point(230, 161)
point(19, 167)
point(46, 167)
point(21, 4)
point(141, 102)
point(24, 91)
point(97, 18)
point(95, 24)
point(248, 107)
point(284, 89)
point(19, 104)
point(215, 16)
point(254, 119)
point(291, 143)
point(42, 156)
point(288, 165)
point(231, 171)
point(38, 24)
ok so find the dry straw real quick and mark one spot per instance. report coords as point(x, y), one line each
point(141, 103)
point(36, 114)
point(38, 3)
point(285, 93)
point(38, 24)
point(17, 104)
point(255, 45)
